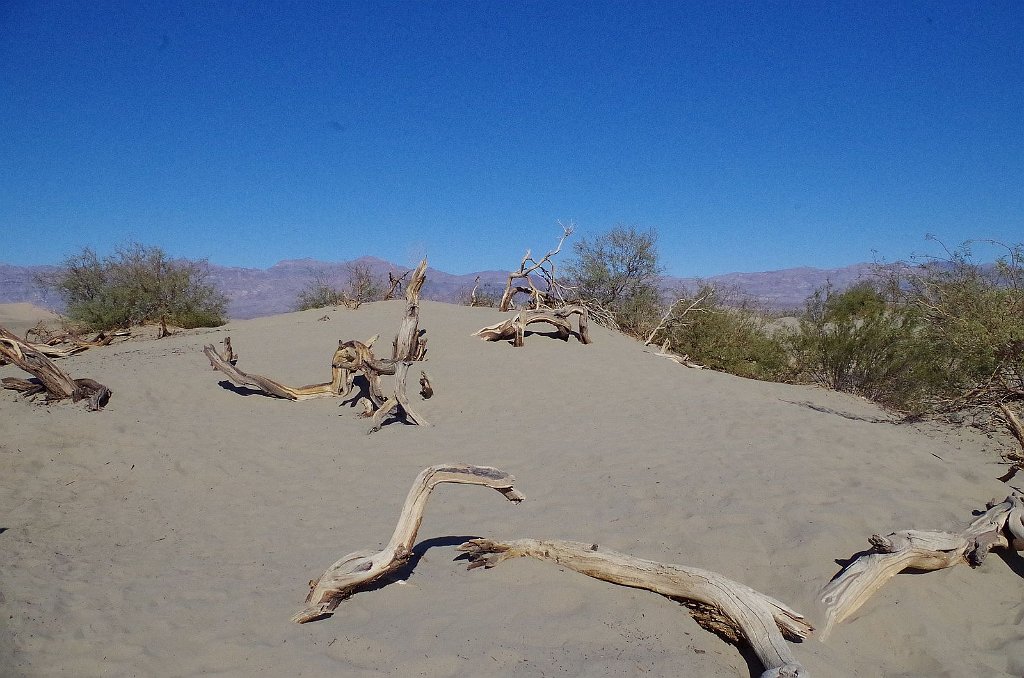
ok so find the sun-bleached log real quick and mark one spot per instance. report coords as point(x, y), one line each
point(721, 605)
point(54, 381)
point(514, 328)
point(360, 568)
point(275, 388)
point(1002, 526)
point(408, 343)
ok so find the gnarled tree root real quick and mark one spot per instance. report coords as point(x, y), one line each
point(1001, 526)
point(358, 569)
point(721, 605)
point(514, 328)
point(54, 381)
point(275, 388)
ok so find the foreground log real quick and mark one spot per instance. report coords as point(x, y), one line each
point(1002, 526)
point(721, 605)
point(514, 328)
point(356, 570)
point(52, 380)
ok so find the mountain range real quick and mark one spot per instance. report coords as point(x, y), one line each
point(255, 292)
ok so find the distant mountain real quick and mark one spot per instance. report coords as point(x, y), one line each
point(255, 292)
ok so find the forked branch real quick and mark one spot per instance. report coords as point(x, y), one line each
point(721, 605)
point(358, 569)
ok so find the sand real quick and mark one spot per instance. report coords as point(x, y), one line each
point(174, 533)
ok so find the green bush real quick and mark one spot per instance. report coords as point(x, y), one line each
point(972, 321)
point(319, 293)
point(729, 338)
point(617, 274)
point(859, 341)
point(136, 285)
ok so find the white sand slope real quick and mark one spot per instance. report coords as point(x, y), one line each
point(173, 534)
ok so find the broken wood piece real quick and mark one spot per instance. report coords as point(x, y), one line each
point(227, 355)
point(721, 605)
point(56, 383)
point(358, 569)
point(514, 328)
point(274, 388)
point(426, 390)
point(1001, 526)
point(545, 268)
point(407, 341)
point(399, 402)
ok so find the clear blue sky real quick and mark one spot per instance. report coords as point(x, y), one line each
point(752, 136)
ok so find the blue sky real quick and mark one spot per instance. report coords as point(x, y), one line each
point(751, 136)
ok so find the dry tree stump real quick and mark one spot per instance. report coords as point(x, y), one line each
point(355, 570)
point(728, 608)
point(514, 329)
point(1001, 526)
point(52, 380)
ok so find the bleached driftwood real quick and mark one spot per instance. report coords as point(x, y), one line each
point(276, 388)
point(514, 328)
point(1002, 526)
point(52, 380)
point(358, 569)
point(721, 605)
point(684, 360)
point(545, 268)
point(409, 346)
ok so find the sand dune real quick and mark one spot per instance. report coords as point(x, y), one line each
point(173, 533)
point(21, 317)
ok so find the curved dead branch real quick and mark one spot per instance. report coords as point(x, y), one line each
point(514, 328)
point(358, 569)
point(721, 605)
point(1002, 526)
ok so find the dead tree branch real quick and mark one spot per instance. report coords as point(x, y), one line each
point(356, 570)
point(721, 605)
point(1002, 526)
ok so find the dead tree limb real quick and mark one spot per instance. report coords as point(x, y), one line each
point(54, 381)
point(395, 284)
point(275, 388)
point(358, 569)
point(545, 268)
point(408, 340)
point(1002, 526)
point(694, 304)
point(721, 605)
point(1015, 459)
point(514, 328)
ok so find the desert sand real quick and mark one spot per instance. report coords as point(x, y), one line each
point(174, 532)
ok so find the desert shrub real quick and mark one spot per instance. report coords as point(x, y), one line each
point(618, 272)
point(972, 320)
point(318, 293)
point(726, 334)
point(862, 341)
point(136, 285)
point(363, 285)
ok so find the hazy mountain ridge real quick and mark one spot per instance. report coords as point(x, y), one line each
point(255, 292)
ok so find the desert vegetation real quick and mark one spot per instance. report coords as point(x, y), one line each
point(362, 286)
point(136, 285)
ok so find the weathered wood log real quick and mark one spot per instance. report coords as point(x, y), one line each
point(274, 388)
point(426, 390)
point(721, 605)
point(407, 341)
point(226, 355)
point(57, 383)
point(514, 328)
point(398, 401)
point(1001, 526)
point(356, 570)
